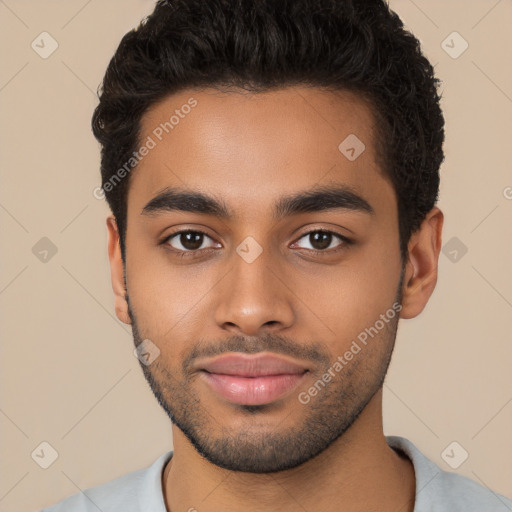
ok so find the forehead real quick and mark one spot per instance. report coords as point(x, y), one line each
point(250, 147)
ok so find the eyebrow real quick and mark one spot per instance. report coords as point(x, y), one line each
point(320, 198)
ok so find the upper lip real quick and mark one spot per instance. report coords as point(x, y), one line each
point(251, 365)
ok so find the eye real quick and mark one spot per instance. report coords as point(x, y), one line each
point(187, 240)
point(321, 240)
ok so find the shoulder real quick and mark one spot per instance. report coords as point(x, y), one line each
point(133, 492)
point(457, 492)
point(442, 491)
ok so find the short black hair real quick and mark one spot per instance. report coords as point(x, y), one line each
point(259, 45)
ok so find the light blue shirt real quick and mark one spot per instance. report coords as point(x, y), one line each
point(436, 490)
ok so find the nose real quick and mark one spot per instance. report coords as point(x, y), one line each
point(254, 297)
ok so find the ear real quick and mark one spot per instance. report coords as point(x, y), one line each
point(116, 271)
point(420, 276)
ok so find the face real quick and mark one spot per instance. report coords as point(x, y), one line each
point(273, 293)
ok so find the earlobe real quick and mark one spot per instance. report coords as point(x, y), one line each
point(116, 271)
point(420, 275)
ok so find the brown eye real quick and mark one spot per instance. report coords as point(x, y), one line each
point(187, 240)
point(321, 240)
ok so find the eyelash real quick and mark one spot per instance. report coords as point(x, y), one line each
point(186, 254)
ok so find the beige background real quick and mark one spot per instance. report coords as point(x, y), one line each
point(68, 374)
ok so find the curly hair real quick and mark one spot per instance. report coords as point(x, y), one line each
point(355, 45)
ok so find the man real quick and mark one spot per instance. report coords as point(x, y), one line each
point(272, 169)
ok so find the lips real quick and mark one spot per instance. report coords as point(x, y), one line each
point(251, 379)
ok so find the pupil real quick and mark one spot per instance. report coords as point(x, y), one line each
point(191, 240)
point(320, 240)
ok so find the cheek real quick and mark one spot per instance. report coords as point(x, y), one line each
point(167, 299)
point(350, 297)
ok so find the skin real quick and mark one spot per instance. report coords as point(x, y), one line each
point(249, 150)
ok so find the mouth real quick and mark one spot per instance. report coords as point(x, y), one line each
point(252, 379)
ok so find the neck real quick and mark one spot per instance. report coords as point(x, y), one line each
point(356, 473)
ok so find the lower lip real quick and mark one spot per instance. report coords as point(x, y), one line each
point(252, 390)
